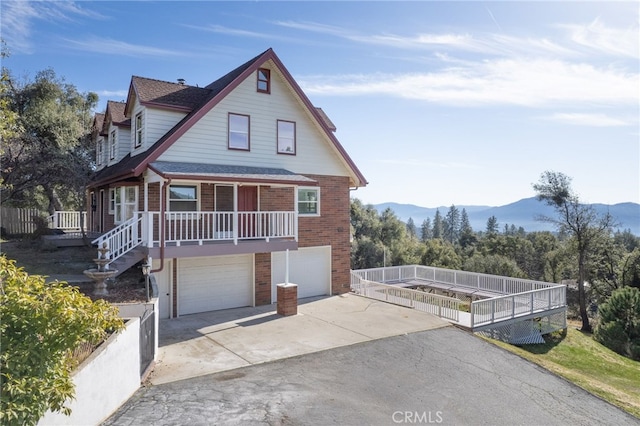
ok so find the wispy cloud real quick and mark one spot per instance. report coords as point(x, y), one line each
point(122, 48)
point(18, 18)
point(586, 119)
point(113, 93)
point(531, 83)
point(220, 29)
point(611, 41)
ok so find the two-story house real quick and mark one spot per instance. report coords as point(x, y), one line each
point(228, 189)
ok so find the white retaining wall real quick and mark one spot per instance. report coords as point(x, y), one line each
point(105, 380)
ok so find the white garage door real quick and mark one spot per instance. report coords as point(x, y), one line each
point(309, 267)
point(212, 283)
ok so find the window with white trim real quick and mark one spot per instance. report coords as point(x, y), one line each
point(238, 131)
point(123, 202)
point(183, 198)
point(112, 200)
point(286, 137)
point(309, 201)
point(113, 143)
point(139, 128)
point(99, 153)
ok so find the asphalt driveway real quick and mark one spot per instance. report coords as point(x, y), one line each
point(440, 376)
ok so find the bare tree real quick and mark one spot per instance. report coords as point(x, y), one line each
point(578, 220)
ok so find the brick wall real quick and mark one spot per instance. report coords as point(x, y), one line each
point(331, 228)
point(263, 278)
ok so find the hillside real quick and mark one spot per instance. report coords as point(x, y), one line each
point(521, 213)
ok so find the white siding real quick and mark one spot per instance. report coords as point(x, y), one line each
point(156, 123)
point(123, 143)
point(206, 141)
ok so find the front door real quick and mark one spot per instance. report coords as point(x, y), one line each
point(247, 204)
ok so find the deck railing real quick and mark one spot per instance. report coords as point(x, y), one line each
point(492, 283)
point(521, 297)
point(442, 306)
point(68, 220)
point(496, 309)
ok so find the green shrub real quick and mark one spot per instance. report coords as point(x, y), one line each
point(40, 326)
point(619, 322)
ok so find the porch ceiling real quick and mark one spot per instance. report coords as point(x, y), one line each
point(231, 173)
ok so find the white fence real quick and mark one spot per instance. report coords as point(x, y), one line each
point(521, 297)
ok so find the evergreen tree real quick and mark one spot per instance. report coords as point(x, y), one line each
point(452, 225)
point(492, 226)
point(427, 232)
point(438, 225)
point(411, 228)
point(467, 236)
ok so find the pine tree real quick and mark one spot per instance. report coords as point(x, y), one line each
point(438, 225)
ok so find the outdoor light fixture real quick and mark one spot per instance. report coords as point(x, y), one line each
point(146, 269)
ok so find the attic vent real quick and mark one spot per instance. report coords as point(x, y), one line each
point(181, 81)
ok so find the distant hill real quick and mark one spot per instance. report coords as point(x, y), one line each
point(521, 213)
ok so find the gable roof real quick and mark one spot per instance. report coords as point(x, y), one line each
point(164, 94)
point(114, 114)
point(217, 90)
point(98, 122)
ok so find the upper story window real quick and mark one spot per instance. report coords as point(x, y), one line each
point(238, 131)
point(99, 154)
point(286, 137)
point(183, 198)
point(309, 201)
point(113, 144)
point(264, 80)
point(139, 127)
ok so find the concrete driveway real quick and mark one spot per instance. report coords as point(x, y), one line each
point(200, 344)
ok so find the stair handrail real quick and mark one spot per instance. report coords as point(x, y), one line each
point(122, 239)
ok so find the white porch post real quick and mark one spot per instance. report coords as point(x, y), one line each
point(286, 268)
point(235, 213)
point(295, 213)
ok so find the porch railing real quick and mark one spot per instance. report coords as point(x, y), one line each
point(197, 227)
point(200, 227)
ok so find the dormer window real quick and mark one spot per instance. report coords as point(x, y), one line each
point(264, 80)
point(138, 130)
point(99, 154)
point(112, 144)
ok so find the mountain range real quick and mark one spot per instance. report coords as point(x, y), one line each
point(521, 213)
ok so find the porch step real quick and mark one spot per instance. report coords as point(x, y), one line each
point(123, 263)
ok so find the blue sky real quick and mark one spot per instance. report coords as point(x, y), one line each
point(438, 103)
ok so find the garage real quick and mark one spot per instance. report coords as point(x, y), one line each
point(213, 283)
point(309, 268)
